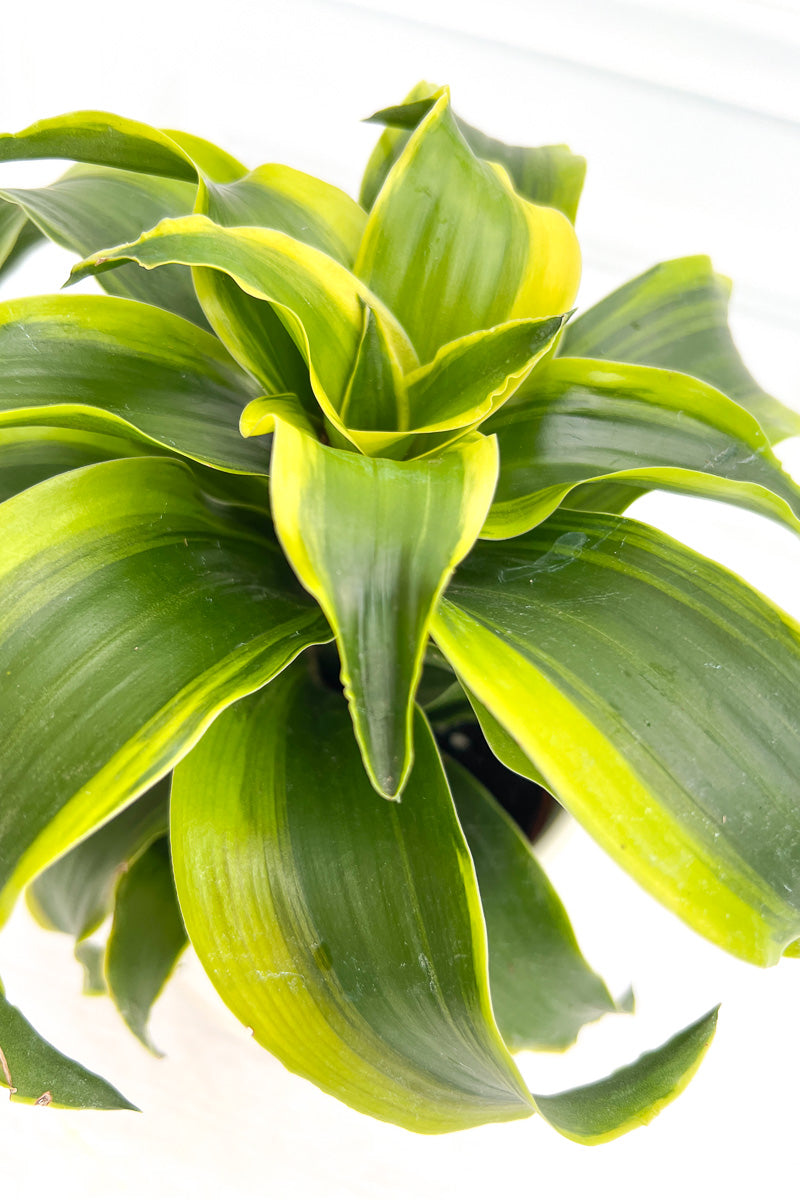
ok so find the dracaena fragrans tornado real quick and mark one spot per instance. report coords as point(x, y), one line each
point(303, 439)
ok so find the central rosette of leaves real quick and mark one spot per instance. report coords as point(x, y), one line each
point(387, 340)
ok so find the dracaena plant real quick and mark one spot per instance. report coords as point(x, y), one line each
point(301, 440)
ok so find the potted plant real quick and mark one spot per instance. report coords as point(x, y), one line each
point(319, 503)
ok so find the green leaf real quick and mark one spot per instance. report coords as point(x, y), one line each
point(29, 454)
point(502, 744)
point(584, 420)
point(76, 893)
point(657, 694)
point(91, 207)
point(474, 375)
point(421, 255)
point(16, 248)
point(320, 301)
point(634, 1095)
point(146, 939)
point(173, 384)
point(676, 315)
point(275, 197)
point(111, 141)
point(35, 1072)
point(131, 614)
point(345, 932)
point(12, 223)
point(91, 956)
point(550, 175)
point(348, 934)
point(375, 542)
point(376, 396)
point(543, 990)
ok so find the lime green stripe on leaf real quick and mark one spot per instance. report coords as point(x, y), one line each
point(174, 385)
point(421, 256)
point(590, 424)
point(132, 614)
point(375, 542)
point(656, 693)
point(345, 932)
point(676, 315)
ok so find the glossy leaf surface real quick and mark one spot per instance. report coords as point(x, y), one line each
point(375, 542)
point(147, 937)
point(119, 367)
point(585, 420)
point(32, 453)
point(471, 377)
point(278, 197)
point(376, 396)
point(36, 1073)
point(550, 175)
point(91, 207)
point(111, 141)
point(318, 299)
point(657, 695)
point(676, 316)
point(635, 1094)
point(344, 931)
point(132, 613)
point(502, 744)
point(275, 197)
point(543, 990)
point(421, 256)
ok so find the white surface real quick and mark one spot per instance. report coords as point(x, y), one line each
point(677, 165)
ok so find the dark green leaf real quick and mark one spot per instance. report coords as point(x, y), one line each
point(657, 694)
point(473, 376)
point(132, 613)
point(76, 893)
point(421, 255)
point(579, 420)
point(550, 175)
point(147, 936)
point(634, 1095)
point(676, 315)
point(91, 207)
point(346, 932)
point(31, 453)
point(173, 384)
point(543, 990)
point(376, 396)
point(320, 301)
point(375, 542)
point(275, 197)
point(36, 1073)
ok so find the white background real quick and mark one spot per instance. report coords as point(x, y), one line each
point(689, 114)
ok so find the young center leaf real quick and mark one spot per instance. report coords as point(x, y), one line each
point(375, 542)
